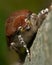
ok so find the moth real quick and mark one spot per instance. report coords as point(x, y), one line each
point(21, 28)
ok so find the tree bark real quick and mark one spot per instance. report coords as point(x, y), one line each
point(41, 50)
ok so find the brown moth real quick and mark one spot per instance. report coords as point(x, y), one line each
point(21, 28)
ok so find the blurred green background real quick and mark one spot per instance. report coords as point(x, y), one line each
point(6, 8)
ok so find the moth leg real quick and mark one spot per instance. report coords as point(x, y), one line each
point(24, 45)
point(14, 46)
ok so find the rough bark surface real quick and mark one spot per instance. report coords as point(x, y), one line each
point(41, 50)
